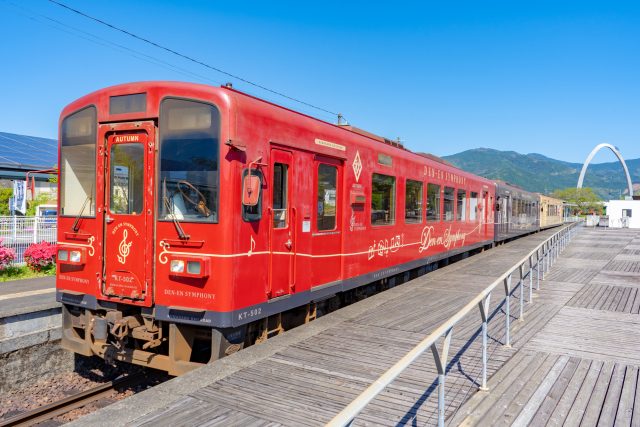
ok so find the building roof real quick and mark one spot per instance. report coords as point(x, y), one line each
point(27, 153)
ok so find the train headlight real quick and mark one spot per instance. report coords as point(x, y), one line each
point(75, 256)
point(177, 266)
point(194, 267)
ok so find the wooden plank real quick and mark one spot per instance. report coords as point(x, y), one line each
point(514, 399)
point(561, 411)
point(624, 414)
point(549, 403)
point(629, 303)
point(623, 300)
point(535, 401)
point(578, 408)
point(612, 399)
point(598, 395)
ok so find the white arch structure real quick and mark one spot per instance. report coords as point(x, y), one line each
point(618, 155)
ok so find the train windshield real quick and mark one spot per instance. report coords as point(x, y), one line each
point(189, 146)
point(78, 164)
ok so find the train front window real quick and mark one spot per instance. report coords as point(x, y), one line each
point(189, 145)
point(78, 164)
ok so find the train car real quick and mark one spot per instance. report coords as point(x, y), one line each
point(517, 212)
point(195, 220)
point(551, 212)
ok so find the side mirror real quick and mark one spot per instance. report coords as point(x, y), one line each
point(251, 190)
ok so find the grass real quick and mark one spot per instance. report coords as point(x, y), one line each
point(17, 272)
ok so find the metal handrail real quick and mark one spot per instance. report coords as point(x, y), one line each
point(545, 253)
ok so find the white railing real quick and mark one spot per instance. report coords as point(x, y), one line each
point(19, 232)
point(571, 218)
point(541, 258)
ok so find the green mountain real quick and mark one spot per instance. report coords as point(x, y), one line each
point(535, 172)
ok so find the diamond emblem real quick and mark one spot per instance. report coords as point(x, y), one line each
point(357, 166)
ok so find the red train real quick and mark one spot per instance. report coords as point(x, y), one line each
point(195, 220)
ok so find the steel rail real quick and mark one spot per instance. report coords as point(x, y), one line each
point(78, 400)
point(545, 253)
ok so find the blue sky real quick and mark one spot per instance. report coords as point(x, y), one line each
point(550, 77)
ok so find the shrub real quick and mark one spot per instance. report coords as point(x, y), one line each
point(7, 256)
point(40, 256)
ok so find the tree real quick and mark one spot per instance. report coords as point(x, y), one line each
point(5, 195)
point(40, 199)
point(585, 199)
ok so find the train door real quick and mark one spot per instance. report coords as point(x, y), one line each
point(281, 238)
point(128, 212)
point(327, 227)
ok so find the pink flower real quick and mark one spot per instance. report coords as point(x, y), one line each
point(40, 255)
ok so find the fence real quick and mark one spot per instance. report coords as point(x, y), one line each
point(18, 232)
point(537, 262)
point(571, 218)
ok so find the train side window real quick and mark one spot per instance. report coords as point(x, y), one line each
point(252, 203)
point(461, 209)
point(473, 206)
point(448, 203)
point(433, 202)
point(280, 171)
point(383, 199)
point(327, 197)
point(413, 201)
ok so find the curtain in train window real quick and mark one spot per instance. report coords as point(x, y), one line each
point(433, 202)
point(383, 199)
point(473, 206)
point(327, 197)
point(413, 201)
point(461, 209)
point(280, 195)
point(448, 203)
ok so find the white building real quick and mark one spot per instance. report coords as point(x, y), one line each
point(623, 213)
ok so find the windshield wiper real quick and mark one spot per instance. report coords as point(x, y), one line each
point(76, 224)
point(167, 204)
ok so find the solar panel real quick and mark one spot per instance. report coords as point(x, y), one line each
point(29, 152)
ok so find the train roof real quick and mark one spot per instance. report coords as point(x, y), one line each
point(217, 91)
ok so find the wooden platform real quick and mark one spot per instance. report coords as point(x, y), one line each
point(581, 367)
point(307, 375)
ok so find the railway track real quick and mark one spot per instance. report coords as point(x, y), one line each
point(52, 410)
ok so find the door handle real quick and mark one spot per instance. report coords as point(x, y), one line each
point(108, 219)
point(288, 244)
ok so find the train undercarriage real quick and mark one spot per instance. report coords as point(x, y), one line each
point(125, 334)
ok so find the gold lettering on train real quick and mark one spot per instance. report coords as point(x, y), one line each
point(127, 138)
